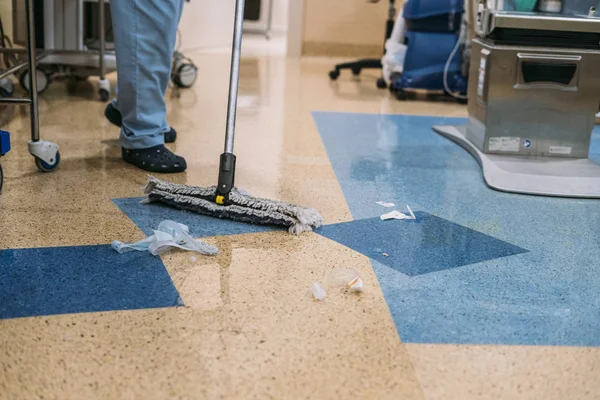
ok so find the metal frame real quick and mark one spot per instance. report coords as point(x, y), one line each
point(44, 151)
point(31, 64)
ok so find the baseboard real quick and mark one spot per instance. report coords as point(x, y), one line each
point(341, 50)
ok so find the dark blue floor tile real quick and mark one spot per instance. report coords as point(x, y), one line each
point(148, 216)
point(64, 280)
point(416, 247)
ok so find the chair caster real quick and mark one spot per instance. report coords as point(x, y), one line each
point(356, 71)
point(334, 74)
point(401, 94)
point(381, 83)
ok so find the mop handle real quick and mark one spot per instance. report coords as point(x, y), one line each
point(234, 77)
point(227, 162)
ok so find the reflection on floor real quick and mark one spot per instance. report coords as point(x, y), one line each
point(485, 295)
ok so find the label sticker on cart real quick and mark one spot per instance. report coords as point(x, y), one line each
point(481, 80)
point(505, 144)
point(565, 150)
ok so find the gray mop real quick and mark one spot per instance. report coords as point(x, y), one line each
point(224, 200)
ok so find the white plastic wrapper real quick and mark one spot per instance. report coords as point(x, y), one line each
point(339, 277)
point(169, 235)
point(398, 215)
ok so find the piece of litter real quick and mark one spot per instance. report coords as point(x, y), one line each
point(317, 291)
point(398, 215)
point(412, 214)
point(193, 258)
point(394, 215)
point(345, 277)
point(385, 255)
point(384, 204)
point(169, 234)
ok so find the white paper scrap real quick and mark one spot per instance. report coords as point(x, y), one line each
point(384, 204)
point(394, 215)
point(398, 215)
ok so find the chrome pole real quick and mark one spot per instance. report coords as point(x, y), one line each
point(34, 117)
point(234, 77)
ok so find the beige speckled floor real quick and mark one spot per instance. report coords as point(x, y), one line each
point(250, 329)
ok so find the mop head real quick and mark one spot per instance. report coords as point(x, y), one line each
point(242, 207)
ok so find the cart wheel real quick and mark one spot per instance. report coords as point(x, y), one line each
point(381, 84)
point(186, 75)
point(45, 167)
point(43, 80)
point(1, 178)
point(334, 74)
point(104, 94)
point(104, 89)
point(7, 87)
point(356, 71)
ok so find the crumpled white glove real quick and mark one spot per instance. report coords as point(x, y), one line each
point(168, 235)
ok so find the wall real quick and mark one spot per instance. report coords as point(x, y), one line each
point(280, 16)
point(206, 24)
point(344, 27)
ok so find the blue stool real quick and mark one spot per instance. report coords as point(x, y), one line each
point(4, 148)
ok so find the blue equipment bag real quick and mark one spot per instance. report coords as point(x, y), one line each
point(432, 33)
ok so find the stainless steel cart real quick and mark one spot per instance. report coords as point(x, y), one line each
point(46, 154)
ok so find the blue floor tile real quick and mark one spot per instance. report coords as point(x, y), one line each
point(549, 295)
point(148, 216)
point(416, 247)
point(64, 280)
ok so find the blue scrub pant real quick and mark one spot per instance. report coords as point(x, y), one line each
point(145, 32)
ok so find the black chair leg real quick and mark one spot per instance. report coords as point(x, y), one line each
point(369, 63)
point(356, 67)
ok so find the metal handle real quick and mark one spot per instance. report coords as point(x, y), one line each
point(234, 76)
point(548, 71)
point(227, 163)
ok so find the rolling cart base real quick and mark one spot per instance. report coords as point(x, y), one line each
point(47, 157)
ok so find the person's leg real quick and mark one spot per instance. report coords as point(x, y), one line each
point(113, 115)
point(145, 33)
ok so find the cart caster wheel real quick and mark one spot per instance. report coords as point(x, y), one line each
point(7, 87)
point(45, 167)
point(186, 76)
point(104, 89)
point(356, 71)
point(334, 74)
point(462, 101)
point(381, 84)
point(104, 95)
point(1, 178)
point(43, 81)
